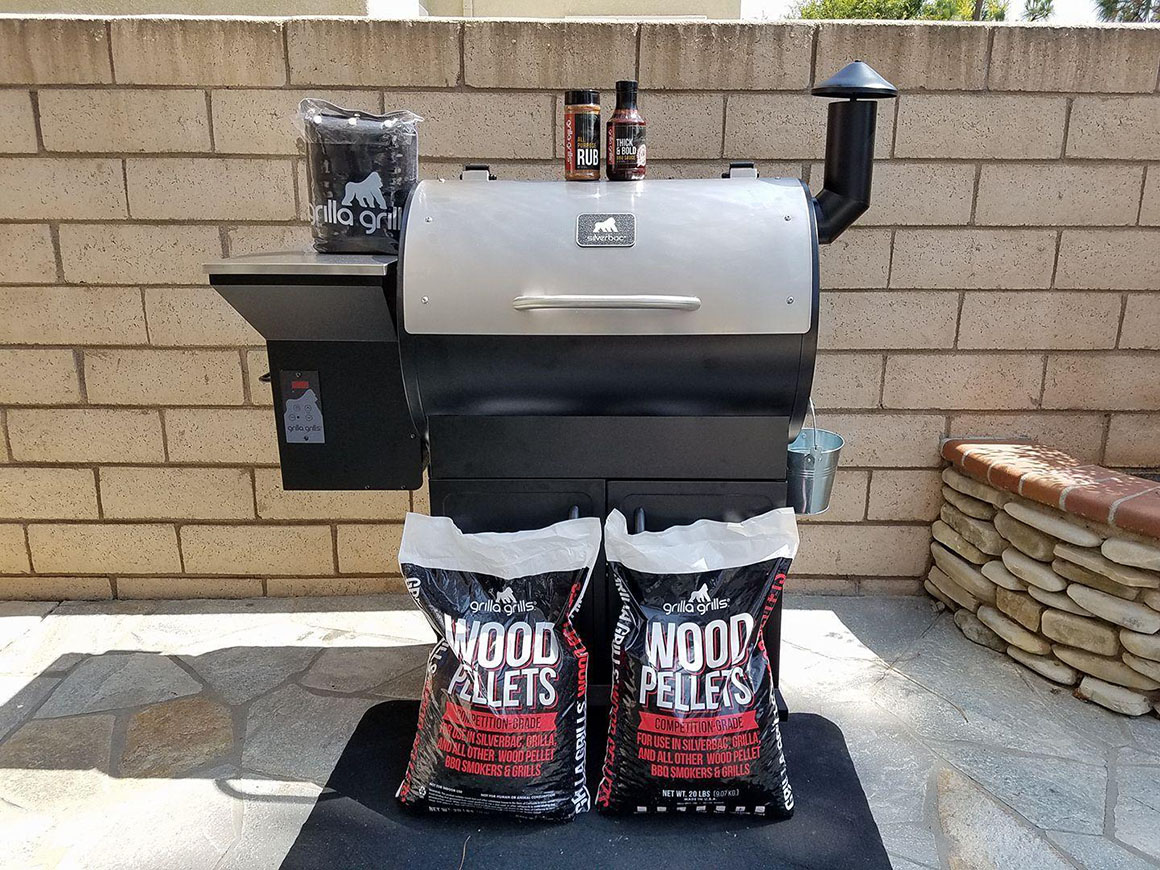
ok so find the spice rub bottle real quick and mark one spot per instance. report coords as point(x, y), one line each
point(582, 135)
point(625, 156)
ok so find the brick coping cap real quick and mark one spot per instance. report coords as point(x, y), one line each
point(1054, 478)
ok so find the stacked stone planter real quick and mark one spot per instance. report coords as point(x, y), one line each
point(1072, 596)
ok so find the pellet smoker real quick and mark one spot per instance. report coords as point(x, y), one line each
point(549, 349)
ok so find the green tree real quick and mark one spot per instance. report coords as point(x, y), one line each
point(1128, 10)
point(1038, 10)
point(917, 10)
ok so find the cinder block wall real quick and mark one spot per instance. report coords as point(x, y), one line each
point(1006, 280)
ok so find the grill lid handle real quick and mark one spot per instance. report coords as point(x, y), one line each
point(639, 302)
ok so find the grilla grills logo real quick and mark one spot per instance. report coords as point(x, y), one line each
point(699, 601)
point(363, 203)
point(505, 602)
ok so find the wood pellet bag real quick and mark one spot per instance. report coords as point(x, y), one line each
point(693, 726)
point(502, 719)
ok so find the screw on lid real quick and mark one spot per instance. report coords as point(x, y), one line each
point(582, 97)
point(626, 87)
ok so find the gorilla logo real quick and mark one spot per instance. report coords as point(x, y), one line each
point(368, 192)
point(608, 225)
point(506, 596)
point(700, 596)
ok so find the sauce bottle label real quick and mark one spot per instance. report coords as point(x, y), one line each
point(626, 148)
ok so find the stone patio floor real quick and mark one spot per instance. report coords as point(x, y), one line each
point(197, 734)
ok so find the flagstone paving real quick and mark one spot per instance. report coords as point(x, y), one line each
point(198, 734)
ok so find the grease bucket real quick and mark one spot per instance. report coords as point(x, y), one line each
point(810, 468)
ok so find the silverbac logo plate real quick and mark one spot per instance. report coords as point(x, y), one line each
point(606, 230)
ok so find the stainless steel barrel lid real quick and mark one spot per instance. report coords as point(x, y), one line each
point(680, 257)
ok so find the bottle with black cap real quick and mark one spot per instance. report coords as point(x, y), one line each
point(582, 135)
point(625, 155)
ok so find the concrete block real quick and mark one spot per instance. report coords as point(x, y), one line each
point(61, 188)
point(1123, 128)
point(26, 254)
point(471, 126)
point(887, 320)
point(263, 122)
point(13, 551)
point(125, 119)
point(962, 381)
point(1103, 381)
point(904, 495)
point(552, 55)
point(886, 440)
point(195, 316)
point(228, 52)
point(72, 315)
point(1150, 207)
point(973, 259)
point(47, 494)
point(164, 377)
point(361, 52)
point(1109, 260)
point(859, 259)
point(1071, 59)
point(1141, 328)
point(39, 377)
point(54, 51)
point(257, 550)
point(683, 125)
point(861, 550)
point(241, 436)
point(1058, 194)
point(85, 435)
point(137, 492)
point(41, 588)
point(297, 587)
point(787, 126)
point(1132, 441)
point(915, 193)
point(18, 135)
point(910, 55)
point(847, 380)
point(369, 549)
point(703, 55)
point(183, 588)
point(93, 548)
point(1029, 320)
point(255, 239)
point(192, 188)
point(274, 503)
point(137, 253)
point(978, 125)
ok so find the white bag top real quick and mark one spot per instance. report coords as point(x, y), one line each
point(436, 542)
point(706, 545)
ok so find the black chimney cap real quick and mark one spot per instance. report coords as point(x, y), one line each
point(856, 80)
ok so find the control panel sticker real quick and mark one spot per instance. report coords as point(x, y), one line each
point(605, 230)
point(302, 419)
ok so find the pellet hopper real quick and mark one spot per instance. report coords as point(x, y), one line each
point(546, 349)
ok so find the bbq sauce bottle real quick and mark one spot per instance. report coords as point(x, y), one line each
point(625, 155)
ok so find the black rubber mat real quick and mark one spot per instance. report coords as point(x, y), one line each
point(357, 823)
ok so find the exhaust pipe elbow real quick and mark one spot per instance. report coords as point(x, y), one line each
point(850, 126)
